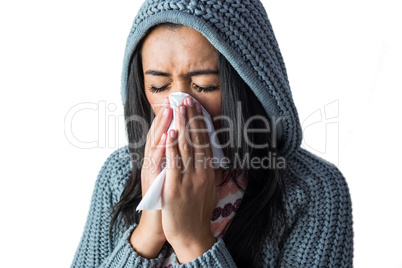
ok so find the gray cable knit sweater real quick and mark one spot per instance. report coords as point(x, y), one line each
point(318, 206)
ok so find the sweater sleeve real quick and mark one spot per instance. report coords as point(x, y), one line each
point(218, 256)
point(97, 248)
point(125, 256)
point(321, 232)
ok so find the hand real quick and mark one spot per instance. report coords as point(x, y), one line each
point(191, 188)
point(148, 238)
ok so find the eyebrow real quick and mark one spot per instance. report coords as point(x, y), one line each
point(193, 73)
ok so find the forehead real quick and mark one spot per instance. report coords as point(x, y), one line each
point(178, 45)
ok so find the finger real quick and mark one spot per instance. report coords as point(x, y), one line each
point(157, 154)
point(195, 139)
point(160, 124)
point(173, 163)
point(199, 134)
point(205, 126)
point(156, 120)
point(185, 150)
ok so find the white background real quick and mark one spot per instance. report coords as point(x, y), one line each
point(344, 65)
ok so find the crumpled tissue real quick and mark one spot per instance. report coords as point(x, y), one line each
point(153, 198)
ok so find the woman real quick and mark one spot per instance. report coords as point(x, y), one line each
point(294, 212)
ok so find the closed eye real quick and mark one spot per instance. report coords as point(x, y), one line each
point(205, 89)
point(158, 89)
point(196, 87)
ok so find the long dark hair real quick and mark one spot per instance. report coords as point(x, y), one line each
point(261, 215)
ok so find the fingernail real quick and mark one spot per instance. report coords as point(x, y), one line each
point(198, 107)
point(182, 109)
point(163, 137)
point(173, 134)
point(190, 102)
point(164, 102)
point(165, 111)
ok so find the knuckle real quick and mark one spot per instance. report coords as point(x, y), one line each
point(172, 163)
point(202, 181)
point(199, 139)
point(186, 147)
point(153, 147)
point(171, 193)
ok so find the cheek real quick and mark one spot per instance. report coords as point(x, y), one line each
point(156, 101)
point(215, 109)
point(212, 105)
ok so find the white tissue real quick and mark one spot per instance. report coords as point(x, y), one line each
point(153, 198)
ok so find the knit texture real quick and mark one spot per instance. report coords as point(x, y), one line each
point(318, 203)
point(242, 32)
point(318, 209)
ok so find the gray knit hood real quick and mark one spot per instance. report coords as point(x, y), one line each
point(242, 32)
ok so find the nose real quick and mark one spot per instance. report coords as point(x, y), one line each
point(183, 86)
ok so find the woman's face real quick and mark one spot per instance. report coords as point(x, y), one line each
point(181, 59)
